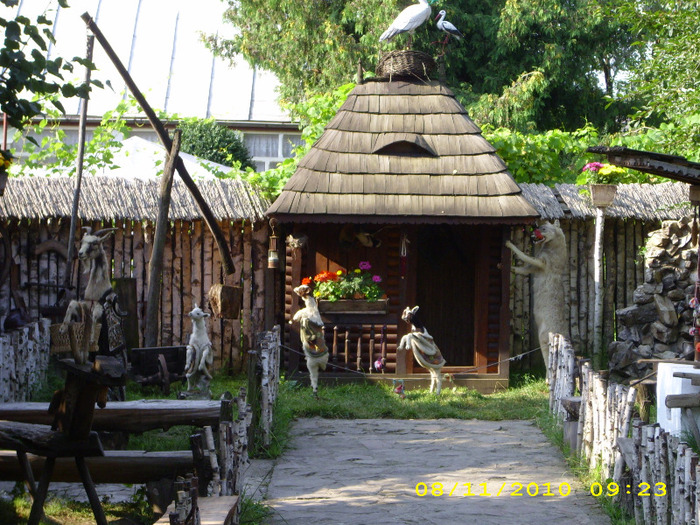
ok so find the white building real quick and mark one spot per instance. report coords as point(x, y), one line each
point(160, 43)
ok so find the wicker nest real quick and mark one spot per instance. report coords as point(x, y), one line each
point(405, 63)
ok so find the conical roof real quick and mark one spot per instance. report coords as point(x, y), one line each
point(402, 151)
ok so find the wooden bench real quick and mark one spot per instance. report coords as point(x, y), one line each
point(127, 416)
point(70, 435)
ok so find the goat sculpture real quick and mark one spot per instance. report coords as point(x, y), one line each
point(200, 353)
point(311, 332)
point(98, 296)
point(424, 348)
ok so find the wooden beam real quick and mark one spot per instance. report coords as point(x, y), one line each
point(116, 466)
point(683, 401)
point(126, 416)
point(155, 271)
point(165, 140)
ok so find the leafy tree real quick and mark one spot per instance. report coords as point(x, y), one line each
point(26, 74)
point(666, 80)
point(553, 49)
point(208, 140)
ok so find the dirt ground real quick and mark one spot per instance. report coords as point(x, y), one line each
point(352, 472)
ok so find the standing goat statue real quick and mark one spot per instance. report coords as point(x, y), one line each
point(99, 307)
point(200, 353)
point(424, 348)
point(311, 332)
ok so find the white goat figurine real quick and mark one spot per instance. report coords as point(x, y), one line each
point(424, 348)
point(200, 353)
point(90, 309)
point(311, 332)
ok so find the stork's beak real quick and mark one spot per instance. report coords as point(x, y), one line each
point(438, 16)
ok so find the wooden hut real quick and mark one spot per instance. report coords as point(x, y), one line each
point(403, 178)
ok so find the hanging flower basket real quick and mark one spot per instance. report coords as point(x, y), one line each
point(354, 306)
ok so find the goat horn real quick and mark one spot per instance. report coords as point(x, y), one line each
point(103, 230)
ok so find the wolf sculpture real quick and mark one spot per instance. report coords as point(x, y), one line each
point(547, 267)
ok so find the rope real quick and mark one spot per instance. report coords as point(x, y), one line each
point(514, 358)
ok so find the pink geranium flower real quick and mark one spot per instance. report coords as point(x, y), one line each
point(365, 265)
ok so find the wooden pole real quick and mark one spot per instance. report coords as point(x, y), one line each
point(156, 263)
point(79, 170)
point(598, 287)
point(165, 140)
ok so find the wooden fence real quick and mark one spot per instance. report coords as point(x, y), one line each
point(191, 265)
point(263, 386)
point(623, 271)
point(650, 473)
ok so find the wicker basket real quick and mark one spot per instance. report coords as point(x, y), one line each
point(70, 342)
point(405, 63)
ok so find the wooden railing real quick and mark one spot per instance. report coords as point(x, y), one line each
point(358, 347)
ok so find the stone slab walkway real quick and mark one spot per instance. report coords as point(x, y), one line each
point(361, 472)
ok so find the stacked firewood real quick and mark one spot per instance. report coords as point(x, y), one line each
point(24, 359)
point(659, 323)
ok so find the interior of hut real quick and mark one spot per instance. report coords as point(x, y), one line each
point(454, 272)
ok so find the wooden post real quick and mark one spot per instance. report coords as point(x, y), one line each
point(156, 263)
point(598, 287)
point(79, 170)
point(165, 140)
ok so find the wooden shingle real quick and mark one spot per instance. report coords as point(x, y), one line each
point(403, 151)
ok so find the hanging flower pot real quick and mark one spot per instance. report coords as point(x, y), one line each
point(603, 195)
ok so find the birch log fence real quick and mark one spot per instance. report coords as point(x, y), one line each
point(650, 473)
point(263, 385)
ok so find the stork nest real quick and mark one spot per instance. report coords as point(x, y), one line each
point(406, 63)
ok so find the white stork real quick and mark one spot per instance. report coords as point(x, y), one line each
point(408, 20)
point(447, 27)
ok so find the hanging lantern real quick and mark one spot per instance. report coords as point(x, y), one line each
point(273, 257)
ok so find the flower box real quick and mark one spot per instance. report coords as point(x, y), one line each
point(354, 306)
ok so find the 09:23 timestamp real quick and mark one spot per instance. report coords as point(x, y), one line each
point(640, 489)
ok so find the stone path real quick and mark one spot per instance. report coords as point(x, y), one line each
point(361, 472)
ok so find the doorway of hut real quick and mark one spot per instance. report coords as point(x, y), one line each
point(446, 289)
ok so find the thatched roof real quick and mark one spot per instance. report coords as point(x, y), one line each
point(646, 202)
point(402, 151)
point(112, 197)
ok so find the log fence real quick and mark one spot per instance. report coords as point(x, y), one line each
point(191, 266)
point(650, 473)
point(263, 386)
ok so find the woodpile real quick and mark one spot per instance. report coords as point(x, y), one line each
point(650, 473)
point(24, 359)
point(658, 324)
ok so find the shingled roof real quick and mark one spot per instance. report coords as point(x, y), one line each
point(402, 151)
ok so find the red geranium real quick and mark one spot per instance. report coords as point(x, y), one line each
point(325, 276)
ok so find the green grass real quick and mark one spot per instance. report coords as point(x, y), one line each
point(62, 511)
point(377, 400)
